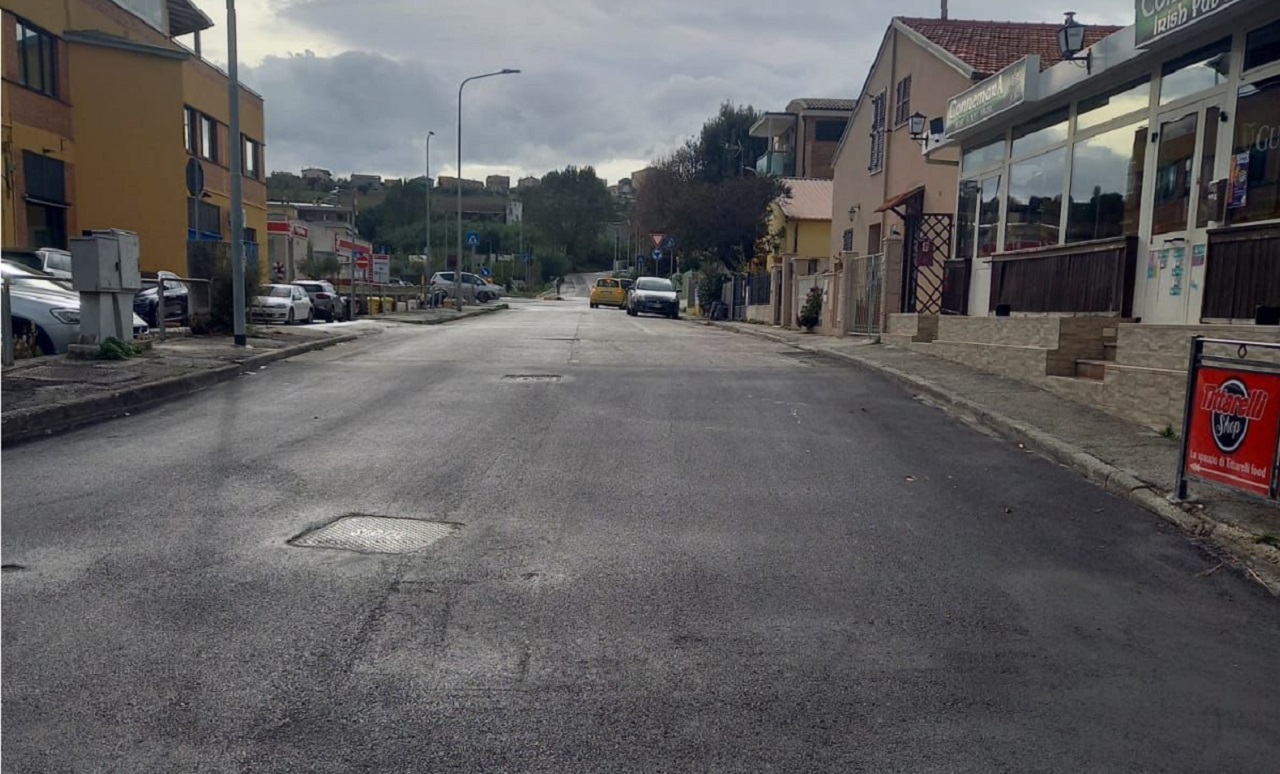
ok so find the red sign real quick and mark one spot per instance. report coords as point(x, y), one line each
point(277, 227)
point(658, 239)
point(1235, 429)
point(362, 260)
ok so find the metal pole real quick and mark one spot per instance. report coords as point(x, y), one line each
point(237, 184)
point(6, 325)
point(160, 315)
point(1188, 406)
point(426, 258)
point(457, 275)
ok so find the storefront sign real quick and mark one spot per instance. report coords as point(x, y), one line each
point(1012, 86)
point(1153, 19)
point(1234, 433)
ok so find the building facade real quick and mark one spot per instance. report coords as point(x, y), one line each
point(104, 112)
point(802, 140)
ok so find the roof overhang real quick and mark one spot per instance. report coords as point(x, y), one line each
point(893, 204)
point(185, 18)
point(773, 124)
point(106, 40)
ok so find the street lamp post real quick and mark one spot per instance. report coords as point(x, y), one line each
point(237, 187)
point(426, 257)
point(457, 274)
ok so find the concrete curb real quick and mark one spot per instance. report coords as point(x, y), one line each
point(441, 321)
point(28, 424)
point(1260, 562)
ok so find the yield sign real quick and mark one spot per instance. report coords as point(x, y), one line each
point(658, 239)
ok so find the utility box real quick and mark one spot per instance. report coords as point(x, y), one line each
point(104, 269)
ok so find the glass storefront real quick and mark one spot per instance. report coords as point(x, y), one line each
point(1106, 183)
point(1255, 154)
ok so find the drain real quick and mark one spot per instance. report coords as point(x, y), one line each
point(77, 373)
point(376, 534)
point(531, 378)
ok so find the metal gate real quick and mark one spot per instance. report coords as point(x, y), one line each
point(927, 249)
point(867, 280)
point(739, 297)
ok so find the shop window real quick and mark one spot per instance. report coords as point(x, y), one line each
point(1106, 184)
point(37, 58)
point(967, 219)
point(828, 131)
point(1096, 111)
point(1173, 174)
point(878, 110)
point(1262, 46)
point(1254, 192)
point(980, 158)
point(1208, 160)
point(978, 218)
point(988, 216)
point(1037, 136)
point(1035, 201)
point(1196, 72)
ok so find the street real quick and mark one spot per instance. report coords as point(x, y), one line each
point(673, 548)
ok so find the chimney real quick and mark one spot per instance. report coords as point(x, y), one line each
point(944, 9)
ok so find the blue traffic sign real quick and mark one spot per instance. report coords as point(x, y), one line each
point(473, 239)
point(657, 255)
point(484, 271)
point(527, 258)
point(669, 243)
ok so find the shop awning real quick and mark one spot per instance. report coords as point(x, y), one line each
point(893, 204)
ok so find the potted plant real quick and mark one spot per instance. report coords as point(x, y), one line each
point(811, 313)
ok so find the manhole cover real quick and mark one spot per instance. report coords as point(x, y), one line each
point(531, 378)
point(70, 373)
point(376, 534)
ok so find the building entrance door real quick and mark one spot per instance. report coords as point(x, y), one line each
point(1183, 161)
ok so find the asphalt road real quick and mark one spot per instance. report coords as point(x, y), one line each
point(696, 551)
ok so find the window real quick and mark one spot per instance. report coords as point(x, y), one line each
point(208, 138)
point(966, 219)
point(878, 110)
point(988, 216)
point(1035, 201)
point(982, 157)
point(1255, 149)
point(45, 178)
point(46, 225)
point(204, 220)
point(902, 102)
point(1262, 46)
point(873, 239)
point(846, 240)
point(1195, 72)
point(37, 59)
point(1106, 184)
point(1096, 111)
point(1173, 174)
point(828, 131)
point(1040, 134)
point(252, 159)
point(186, 130)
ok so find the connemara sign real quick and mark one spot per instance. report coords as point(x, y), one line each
point(1012, 86)
point(1154, 19)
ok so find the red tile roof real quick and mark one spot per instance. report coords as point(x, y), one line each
point(990, 46)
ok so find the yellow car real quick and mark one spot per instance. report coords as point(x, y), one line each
point(609, 292)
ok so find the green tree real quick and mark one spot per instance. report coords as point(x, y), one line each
point(568, 212)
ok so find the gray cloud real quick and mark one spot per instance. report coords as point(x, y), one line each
point(602, 80)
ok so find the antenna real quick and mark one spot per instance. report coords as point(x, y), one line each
point(944, 9)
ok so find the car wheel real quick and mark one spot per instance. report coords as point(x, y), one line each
point(289, 320)
point(44, 344)
point(674, 315)
point(311, 317)
point(593, 306)
point(631, 312)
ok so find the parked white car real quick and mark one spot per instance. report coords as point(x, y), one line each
point(287, 304)
point(46, 310)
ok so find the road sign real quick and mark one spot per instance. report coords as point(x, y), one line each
point(362, 261)
point(484, 272)
point(658, 239)
point(657, 256)
point(528, 258)
point(473, 239)
point(668, 242)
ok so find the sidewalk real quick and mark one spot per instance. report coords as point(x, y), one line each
point(1127, 459)
point(48, 395)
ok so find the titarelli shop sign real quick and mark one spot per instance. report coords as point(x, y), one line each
point(1234, 434)
point(1153, 19)
point(1012, 86)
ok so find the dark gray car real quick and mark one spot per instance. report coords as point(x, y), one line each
point(324, 299)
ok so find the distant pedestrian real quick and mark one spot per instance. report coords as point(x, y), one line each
point(559, 282)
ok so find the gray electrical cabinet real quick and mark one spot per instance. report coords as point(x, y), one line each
point(104, 269)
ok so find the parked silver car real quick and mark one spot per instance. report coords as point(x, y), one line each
point(324, 299)
point(50, 260)
point(474, 288)
point(46, 310)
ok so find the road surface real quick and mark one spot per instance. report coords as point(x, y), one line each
point(691, 551)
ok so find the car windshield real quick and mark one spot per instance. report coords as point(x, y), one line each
point(22, 277)
point(654, 283)
point(281, 291)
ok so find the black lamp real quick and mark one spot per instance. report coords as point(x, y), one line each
point(1071, 42)
point(916, 122)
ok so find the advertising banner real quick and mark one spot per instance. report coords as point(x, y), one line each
point(1233, 435)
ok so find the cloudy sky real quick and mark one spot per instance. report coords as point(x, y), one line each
point(353, 85)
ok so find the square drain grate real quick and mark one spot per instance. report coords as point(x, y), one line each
point(376, 534)
point(531, 378)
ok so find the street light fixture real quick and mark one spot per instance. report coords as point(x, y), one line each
point(457, 274)
point(1071, 42)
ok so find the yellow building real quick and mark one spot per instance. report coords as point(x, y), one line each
point(103, 112)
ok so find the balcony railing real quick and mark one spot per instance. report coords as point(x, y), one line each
point(776, 164)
